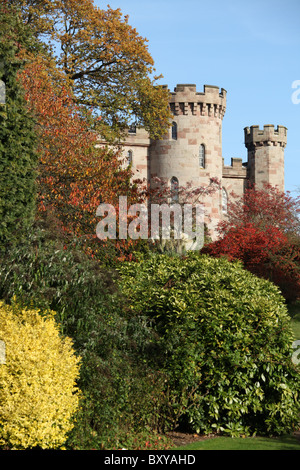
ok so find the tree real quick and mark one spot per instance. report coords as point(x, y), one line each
point(18, 156)
point(74, 174)
point(262, 230)
point(266, 207)
point(105, 60)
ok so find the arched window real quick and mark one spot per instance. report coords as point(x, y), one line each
point(224, 201)
point(174, 189)
point(174, 130)
point(129, 157)
point(202, 156)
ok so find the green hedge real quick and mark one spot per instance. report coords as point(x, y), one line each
point(224, 341)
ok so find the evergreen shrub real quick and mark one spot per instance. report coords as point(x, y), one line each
point(224, 341)
point(38, 391)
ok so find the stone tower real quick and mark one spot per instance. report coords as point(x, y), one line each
point(192, 149)
point(266, 155)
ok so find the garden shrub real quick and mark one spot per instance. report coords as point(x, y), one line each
point(122, 393)
point(38, 391)
point(224, 341)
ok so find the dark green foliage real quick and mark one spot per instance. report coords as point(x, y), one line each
point(225, 343)
point(18, 158)
point(122, 394)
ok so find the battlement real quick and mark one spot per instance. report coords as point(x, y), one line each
point(185, 88)
point(186, 100)
point(254, 136)
point(237, 169)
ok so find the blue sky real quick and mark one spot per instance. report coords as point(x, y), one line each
point(252, 49)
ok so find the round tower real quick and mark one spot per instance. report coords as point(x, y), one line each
point(266, 155)
point(191, 152)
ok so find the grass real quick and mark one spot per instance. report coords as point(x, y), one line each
point(248, 443)
point(294, 311)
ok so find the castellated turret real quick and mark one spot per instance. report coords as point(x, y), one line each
point(266, 155)
point(191, 151)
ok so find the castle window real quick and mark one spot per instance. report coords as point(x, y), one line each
point(174, 190)
point(202, 156)
point(132, 129)
point(224, 201)
point(129, 157)
point(174, 131)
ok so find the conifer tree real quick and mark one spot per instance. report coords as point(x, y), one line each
point(18, 157)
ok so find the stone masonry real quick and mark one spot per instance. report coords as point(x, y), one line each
point(191, 150)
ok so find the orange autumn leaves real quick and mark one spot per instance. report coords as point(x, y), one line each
point(106, 62)
point(74, 175)
point(92, 76)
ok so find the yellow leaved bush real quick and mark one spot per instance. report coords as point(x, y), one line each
point(38, 391)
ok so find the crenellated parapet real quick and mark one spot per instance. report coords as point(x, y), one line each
point(237, 169)
point(268, 136)
point(185, 100)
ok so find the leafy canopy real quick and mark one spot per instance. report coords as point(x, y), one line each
point(104, 59)
point(75, 174)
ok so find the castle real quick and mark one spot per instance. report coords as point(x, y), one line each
point(191, 151)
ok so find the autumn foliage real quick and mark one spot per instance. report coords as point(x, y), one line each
point(38, 392)
point(75, 72)
point(104, 60)
point(90, 74)
point(262, 231)
point(74, 174)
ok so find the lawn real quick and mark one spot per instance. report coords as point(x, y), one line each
point(249, 443)
point(294, 311)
